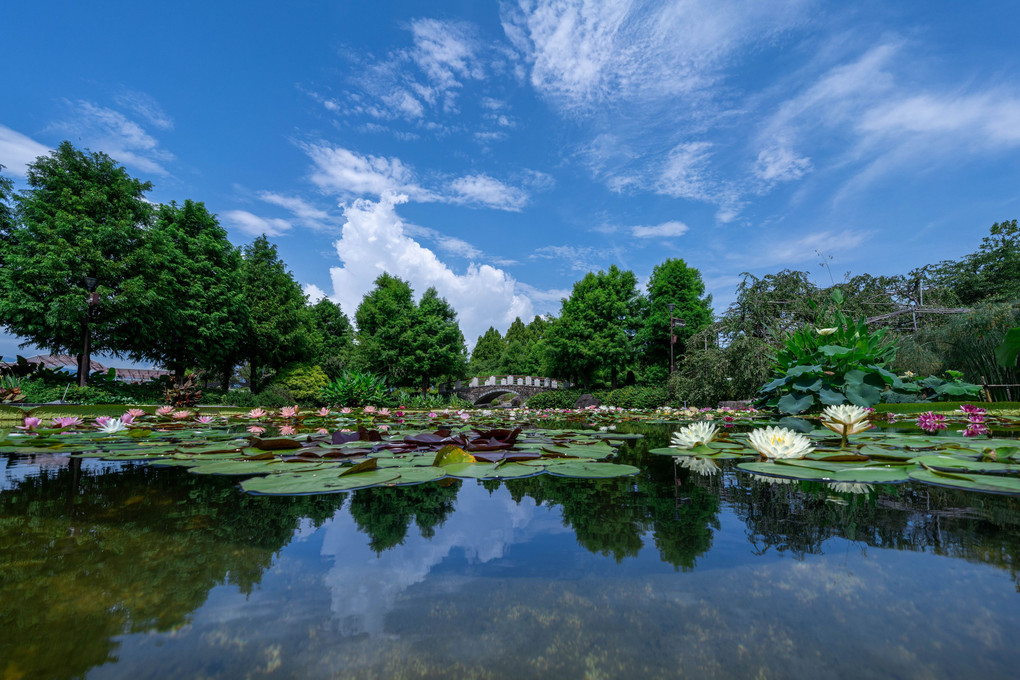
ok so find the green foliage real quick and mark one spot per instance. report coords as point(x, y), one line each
point(187, 306)
point(595, 328)
point(355, 388)
point(279, 330)
point(81, 217)
point(304, 382)
point(843, 363)
point(672, 282)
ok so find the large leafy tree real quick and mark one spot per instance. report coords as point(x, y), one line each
point(279, 327)
point(487, 355)
point(438, 345)
point(596, 327)
point(186, 292)
point(672, 282)
point(385, 320)
point(334, 335)
point(82, 216)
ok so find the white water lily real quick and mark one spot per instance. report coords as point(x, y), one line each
point(846, 419)
point(113, 425)
point(693, 435)
point(703, 466)
point(780, 442)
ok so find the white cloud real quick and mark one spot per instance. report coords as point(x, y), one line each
point(110, 131)
point(349, 174)
point(489, 192)
point(374, 240)
point(253, 225)
point(664, 230)
point(18, 150)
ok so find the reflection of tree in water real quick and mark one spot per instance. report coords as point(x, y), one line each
point(799, 517)
point(385, 513)
point(90, 556)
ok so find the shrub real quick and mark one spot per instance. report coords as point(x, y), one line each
point(304, 382)
point(355, 388)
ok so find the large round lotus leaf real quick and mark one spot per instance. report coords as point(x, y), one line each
point(953, 464)
point(983, 483)
point(470, 470)
point(326, 481)
point(589, 470)
point(254, 467)
point(418, 475)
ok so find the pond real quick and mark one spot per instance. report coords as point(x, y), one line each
point(127, 570)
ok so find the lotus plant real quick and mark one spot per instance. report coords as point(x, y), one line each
point(696, 434)
point(30, 424)
point(845, 420)
point(780, 442)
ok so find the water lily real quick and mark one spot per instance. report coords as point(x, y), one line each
point(698, 464)
point(931, 421)
point(289, 411)
point(112, 425)
point(30, 424)
point(66, 421)
point(164, 410)
point(257, 413)
point(780, 442)
point(845, 420)
point(695, 434)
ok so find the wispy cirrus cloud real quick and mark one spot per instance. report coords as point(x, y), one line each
point(18, 150)
point(108, 130)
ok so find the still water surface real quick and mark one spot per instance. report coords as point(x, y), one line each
point(128, 571)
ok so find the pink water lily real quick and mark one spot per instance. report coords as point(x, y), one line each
point(257, 413)
point(66, 421)
point(164, 410)
point(289, 411)
point(30, 424)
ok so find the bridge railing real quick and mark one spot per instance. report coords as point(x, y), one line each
point(506, 381)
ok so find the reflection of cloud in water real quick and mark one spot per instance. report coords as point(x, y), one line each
point(365, 586)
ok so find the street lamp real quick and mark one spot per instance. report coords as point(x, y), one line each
point(93, 299)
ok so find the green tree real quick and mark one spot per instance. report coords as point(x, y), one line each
point(596, 326)
point(385, 320)
point(335, 337)
point(185, 285)
point(279, 326)
point(672, 282)
point(487, 355)
point(82, 216)
point(437, 344)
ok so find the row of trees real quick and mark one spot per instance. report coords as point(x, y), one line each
point(171, 289)
point(607, 331)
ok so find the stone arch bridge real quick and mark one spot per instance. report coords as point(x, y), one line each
point(483, 389)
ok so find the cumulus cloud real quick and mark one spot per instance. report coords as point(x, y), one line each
point(375, 240)
point(664, 230)
point(18, 150)
point(253, 225)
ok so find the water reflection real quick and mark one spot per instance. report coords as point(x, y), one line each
point(123, 570)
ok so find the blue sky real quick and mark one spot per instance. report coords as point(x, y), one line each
point(500, 150)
